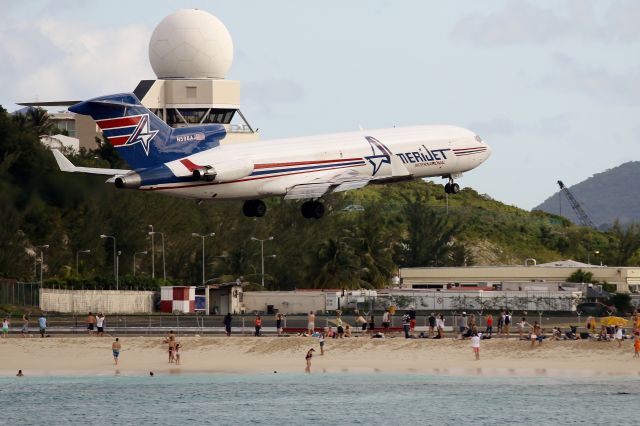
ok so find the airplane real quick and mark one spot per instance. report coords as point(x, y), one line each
point(190, 162)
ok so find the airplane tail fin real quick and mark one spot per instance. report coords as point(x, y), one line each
point(140, 137)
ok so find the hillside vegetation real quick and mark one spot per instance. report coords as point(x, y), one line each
point(607, 197)
point(402, 225)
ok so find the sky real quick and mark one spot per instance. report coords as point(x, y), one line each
point(552, 86)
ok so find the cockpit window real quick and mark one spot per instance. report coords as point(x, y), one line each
point(478, 138)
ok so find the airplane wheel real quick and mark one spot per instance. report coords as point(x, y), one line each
point(248, 208)
point(318, 209)
point(260, 208)
point(447, 188)
point(307, 209)
point(455, 188)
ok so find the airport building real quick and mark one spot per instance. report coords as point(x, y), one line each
point(190, 52)
point(532, 277)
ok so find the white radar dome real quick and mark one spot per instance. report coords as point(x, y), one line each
point(191, 43)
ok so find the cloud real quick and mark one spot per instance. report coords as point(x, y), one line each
point(518, 22)
point(50, 59)
point(593, 81)
point(525, 22)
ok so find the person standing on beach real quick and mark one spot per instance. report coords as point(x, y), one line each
point(372, 323)
point(339, 326)
point(636, 346)
point(308, 359)
point(406, 325)
point(501, 324)
point(521, 325)
point(464, 325)
point(42, 324)
point(507, 322)
point(227, 323)
point(311, 323)
point(171, 341)
point(412, 318)
point(258, 325)
point(440, 326)
point(432, 324)
point(386, 320)
point(321, 341)
point(279, 317)
point(100, 324)
point(489, 329)
point(115, 348)
point(618, 336)
point(176, 353)
point(536, 334)
point(25, 325)
point(475, 345)
point(5, 328)
point(91, 323)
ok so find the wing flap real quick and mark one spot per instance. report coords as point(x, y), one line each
point(335, 182)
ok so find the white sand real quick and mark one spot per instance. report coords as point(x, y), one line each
point(92, 356)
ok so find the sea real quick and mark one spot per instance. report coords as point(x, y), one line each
point(318, 399)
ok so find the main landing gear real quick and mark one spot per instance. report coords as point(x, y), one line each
point(451, 187)
point(312, 209)
point(254, 208)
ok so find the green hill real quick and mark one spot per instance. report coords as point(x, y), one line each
point(404, 224)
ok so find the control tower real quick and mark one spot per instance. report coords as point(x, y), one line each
point(190, 52)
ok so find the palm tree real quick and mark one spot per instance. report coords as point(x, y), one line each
point(337, 266)
point(40, 121)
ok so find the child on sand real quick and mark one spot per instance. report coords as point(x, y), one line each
point(308, 359)
point(618, 336)
point(321, 340)
point(5, 328)
point(176, 353)
point(636, 346)
point(475, 345)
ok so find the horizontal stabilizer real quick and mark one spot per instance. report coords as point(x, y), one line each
point(67, 166)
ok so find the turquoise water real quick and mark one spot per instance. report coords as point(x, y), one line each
point(318, 399)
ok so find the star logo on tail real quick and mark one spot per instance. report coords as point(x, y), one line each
point(380, 154)
point(142, 134)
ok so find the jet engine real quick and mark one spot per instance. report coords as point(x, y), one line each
point(224, 171)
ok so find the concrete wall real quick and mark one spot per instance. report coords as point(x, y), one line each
point(287, 302)
point(105, 301)
point(621, 277)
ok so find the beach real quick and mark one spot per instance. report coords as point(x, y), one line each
point(70, 355)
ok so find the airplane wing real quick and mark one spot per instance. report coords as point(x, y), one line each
point(336, 182)
point(67, 166)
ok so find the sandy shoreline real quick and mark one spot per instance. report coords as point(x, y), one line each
point(71, 356)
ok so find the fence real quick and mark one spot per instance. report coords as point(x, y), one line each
point(539, 301)
point(19, 293)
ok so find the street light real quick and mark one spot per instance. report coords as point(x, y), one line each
point(115, 268)
point(134, 260)
point(152, 233)
point(78, 258)
point(118, 269)
point(153, 253)
point(262, 253)
point(194, 234)
point(595, 253)
point(42, 248)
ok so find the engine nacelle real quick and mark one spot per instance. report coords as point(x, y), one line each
point(226, 171)
point(129, 181)
point(205, 173)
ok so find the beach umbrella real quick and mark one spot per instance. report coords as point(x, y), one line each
point(611, 321)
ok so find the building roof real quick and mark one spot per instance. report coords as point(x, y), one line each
point(567, 264)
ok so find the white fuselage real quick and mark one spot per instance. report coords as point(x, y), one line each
point(413, 152)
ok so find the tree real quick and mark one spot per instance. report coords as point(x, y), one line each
point(581, 276)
